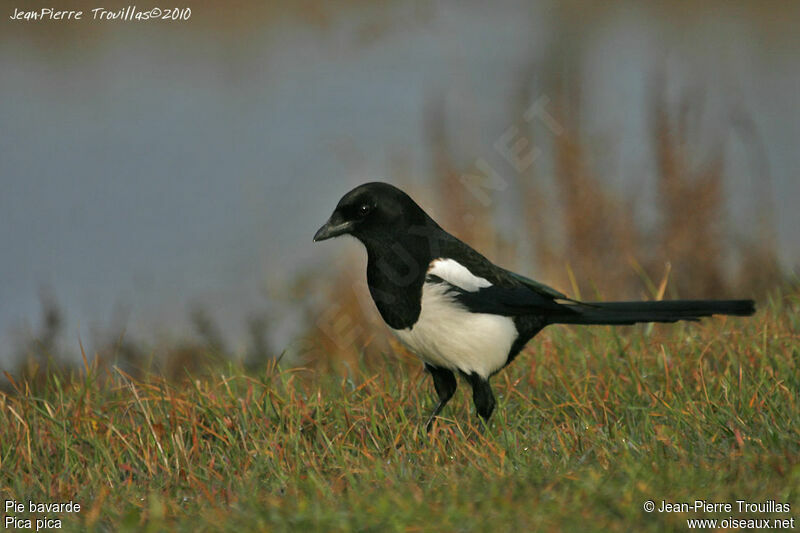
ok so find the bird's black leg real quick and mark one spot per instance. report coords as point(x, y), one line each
point(445, 383)
point(482, 396)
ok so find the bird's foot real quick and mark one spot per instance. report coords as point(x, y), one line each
point(482, 426)
point(429, 423)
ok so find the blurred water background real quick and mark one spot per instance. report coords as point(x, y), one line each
point(161, 181)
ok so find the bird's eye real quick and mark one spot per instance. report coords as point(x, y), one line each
point(364, 209)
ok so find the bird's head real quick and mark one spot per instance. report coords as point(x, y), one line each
point(372, 211)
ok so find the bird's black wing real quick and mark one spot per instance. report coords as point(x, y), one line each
point(506, 301)
point(540, 288)
point(510, 294)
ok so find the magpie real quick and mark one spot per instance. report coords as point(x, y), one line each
point(459, 312)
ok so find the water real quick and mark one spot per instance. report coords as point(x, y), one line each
point(145, 170)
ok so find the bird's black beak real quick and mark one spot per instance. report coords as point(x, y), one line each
point(332, 229)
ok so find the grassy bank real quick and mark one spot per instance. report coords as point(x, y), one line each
point(591, 423)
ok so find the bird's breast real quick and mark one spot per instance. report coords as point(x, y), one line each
point(448, 335)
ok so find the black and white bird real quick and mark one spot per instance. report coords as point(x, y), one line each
point(457, 310)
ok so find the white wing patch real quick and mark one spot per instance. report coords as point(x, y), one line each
point(457, 274)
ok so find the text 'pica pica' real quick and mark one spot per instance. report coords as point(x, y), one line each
point(455, 309)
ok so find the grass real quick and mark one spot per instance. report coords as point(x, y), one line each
point(590, 424)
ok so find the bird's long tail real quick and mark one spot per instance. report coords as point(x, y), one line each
point(610, 313)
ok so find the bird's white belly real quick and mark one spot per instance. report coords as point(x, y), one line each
point(448, 335)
